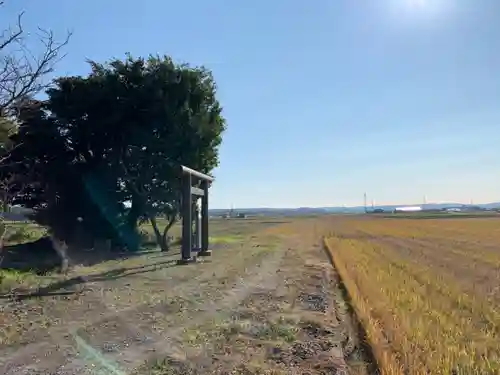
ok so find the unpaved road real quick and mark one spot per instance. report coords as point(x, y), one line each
point(267, 302)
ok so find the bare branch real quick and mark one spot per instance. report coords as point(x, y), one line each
point(21, 71)
point(14, 35)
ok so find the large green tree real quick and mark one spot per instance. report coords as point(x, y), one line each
point(104, 150)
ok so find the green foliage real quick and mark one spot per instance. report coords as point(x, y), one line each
point(20, 234)
point(10, 279)
point(118, 135)
point(7, 128)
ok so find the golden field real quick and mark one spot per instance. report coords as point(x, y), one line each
point(426, 291)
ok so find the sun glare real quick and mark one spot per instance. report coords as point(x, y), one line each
point(418, 10)
point(417, 4)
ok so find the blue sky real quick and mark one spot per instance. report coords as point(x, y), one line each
point(324, 99)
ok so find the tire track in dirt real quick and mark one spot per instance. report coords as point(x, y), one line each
point(214, 293)
point(132, 349)
point(96, 310)
point(304, 292)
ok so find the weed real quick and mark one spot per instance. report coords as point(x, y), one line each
point(170, 366)
point(277, 331)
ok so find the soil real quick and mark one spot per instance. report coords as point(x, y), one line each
point(266, 302)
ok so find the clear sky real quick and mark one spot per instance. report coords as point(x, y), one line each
point(324, 99)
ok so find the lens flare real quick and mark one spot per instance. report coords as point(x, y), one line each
point(417, 4)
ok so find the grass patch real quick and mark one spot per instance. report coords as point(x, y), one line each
point(277, 332)
point(169, 366)
point(225, 239)
point(12, 279)
point(270, 331)
point(281, 331)
point(18, 233)
point(172, 366)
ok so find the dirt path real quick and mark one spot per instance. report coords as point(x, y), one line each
point(266, 303)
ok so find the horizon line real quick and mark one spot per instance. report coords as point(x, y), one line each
point(356, 206)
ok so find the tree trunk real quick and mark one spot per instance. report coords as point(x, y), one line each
point(102, 246)
point(159, 239)
point(135, 212)
point(62, 250)
point(136, 209)
point(3, 230)
point(165, 242)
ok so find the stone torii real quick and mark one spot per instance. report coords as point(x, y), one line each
point(190, 177)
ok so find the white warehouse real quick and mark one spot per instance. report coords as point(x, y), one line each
point(408, 209)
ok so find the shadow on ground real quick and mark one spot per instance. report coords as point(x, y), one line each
point(69, 286)
point(40, 257)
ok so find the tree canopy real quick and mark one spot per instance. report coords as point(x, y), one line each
point(103, 151)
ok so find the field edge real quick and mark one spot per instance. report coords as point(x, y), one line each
point(370, 335)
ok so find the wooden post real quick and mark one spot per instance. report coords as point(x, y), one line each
point(204, 220)
point(186, 219)
point(197, 227)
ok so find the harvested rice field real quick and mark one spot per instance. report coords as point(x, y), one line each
point(427, 292)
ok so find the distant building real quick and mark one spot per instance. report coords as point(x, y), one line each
point(408, 209)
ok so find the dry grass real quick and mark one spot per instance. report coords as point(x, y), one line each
point(425, 291)
point(242, 311)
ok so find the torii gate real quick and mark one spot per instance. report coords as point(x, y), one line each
point(190, 176)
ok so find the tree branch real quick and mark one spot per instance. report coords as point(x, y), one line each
point(21, 71)
point(14, 35)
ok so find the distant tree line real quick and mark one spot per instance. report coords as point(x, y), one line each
point(102, 153)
